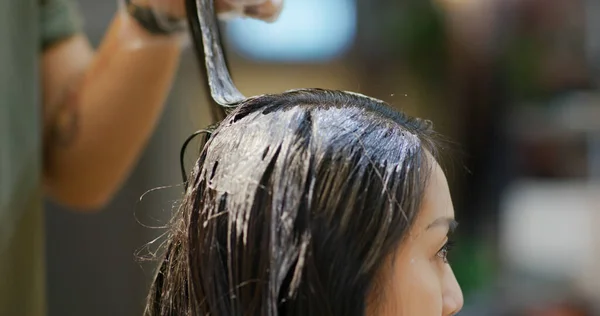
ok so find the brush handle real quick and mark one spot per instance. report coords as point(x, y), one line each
point(204, 29)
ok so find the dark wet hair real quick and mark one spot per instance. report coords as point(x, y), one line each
point(294, 204)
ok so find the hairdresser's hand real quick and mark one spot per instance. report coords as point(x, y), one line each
point(267, 10)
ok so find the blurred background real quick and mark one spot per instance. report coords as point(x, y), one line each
point(513, 84)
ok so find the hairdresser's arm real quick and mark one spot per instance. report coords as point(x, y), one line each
point(100, 109)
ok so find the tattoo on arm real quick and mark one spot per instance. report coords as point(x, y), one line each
point(62, 125)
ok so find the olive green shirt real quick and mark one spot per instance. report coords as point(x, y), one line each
point(27, 27)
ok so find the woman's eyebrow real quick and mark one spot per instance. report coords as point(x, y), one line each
point(450, 222)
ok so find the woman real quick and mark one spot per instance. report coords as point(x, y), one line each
point(312, 202)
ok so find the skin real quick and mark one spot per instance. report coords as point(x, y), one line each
point(101, 107)
point(417, 280)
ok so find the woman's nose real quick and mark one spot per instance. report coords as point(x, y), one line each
point(452, 296)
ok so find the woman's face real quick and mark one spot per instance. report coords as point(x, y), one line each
point(417, 280)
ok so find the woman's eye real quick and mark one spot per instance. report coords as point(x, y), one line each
point(445, 250)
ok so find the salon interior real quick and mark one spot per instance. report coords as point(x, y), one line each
point(513, 84)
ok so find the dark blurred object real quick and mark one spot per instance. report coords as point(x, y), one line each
point(569, 308)
point(559, 139)
point(410, 34)
point(545, 52)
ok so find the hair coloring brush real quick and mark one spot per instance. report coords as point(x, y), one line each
point(224, 95)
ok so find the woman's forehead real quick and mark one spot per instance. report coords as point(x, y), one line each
point(437, 202)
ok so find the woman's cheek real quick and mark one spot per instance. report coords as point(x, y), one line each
point(418, 290)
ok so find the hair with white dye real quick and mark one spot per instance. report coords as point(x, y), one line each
point(293, 206)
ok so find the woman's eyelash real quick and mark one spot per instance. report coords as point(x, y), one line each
point(443, 252)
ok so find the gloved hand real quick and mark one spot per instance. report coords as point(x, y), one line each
point(267, 10)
